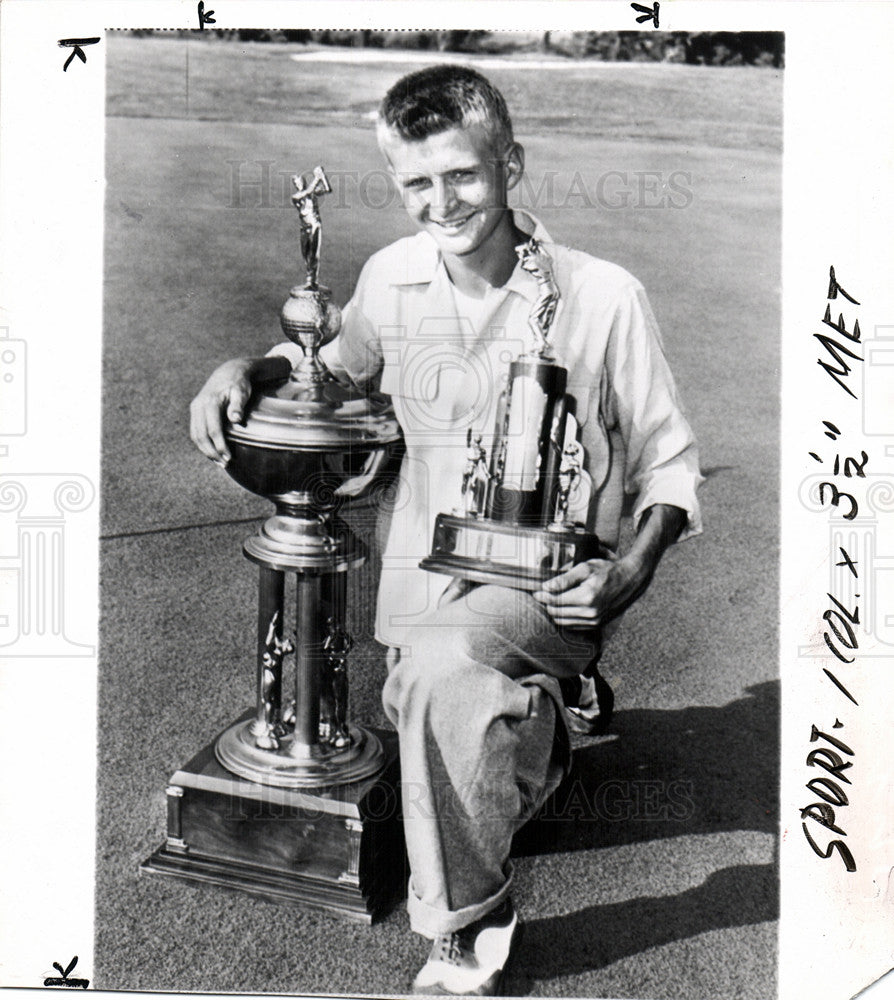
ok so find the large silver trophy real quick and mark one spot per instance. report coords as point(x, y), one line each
point(307, 445)
point(513, 526)
point(288, 801)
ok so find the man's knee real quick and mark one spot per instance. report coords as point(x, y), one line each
point(490, 625)
point(436, 648)
point(424, 669)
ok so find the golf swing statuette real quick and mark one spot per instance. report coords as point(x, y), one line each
point(288, 801)
point(512, 527)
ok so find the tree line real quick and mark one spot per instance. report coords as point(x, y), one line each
point(706, 48)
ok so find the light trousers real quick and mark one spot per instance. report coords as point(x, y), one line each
point(483, 743)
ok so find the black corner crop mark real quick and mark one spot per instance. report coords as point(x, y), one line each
point(203, 17)
point(75, 44)
point(648, 13)
point(63, 980)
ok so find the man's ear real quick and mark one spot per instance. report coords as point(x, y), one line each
point(514, 164)
point(382, 140)
point(394, 181)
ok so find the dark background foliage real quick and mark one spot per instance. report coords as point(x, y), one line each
point(708, 48)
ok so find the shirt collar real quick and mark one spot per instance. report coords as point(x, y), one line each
point(425, 259)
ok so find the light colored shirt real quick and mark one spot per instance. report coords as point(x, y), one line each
point(444, 372)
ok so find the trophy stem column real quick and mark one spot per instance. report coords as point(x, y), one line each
point(308, 665)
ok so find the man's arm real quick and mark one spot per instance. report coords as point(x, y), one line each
point(226, 393)
point(660, 469)
point(598, 590)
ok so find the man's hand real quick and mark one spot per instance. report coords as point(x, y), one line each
point(596, 591)
point(593, 592)
point(226, 393)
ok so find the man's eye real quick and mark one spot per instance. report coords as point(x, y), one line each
point(415, 183)
point(463, 175)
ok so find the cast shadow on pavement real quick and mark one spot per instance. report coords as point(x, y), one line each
point(600, 935)
point(666, 774)
point(698, 770)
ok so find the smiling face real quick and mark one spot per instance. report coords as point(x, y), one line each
point(454, 184)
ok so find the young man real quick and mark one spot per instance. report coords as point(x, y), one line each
point(474, 683)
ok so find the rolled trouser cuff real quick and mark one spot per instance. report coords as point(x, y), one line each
point(431, 922)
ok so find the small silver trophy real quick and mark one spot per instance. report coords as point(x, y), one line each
point(512, 527)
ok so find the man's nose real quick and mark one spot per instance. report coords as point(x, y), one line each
point(443, 197)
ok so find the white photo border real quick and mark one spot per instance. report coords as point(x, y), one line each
point(838, 211)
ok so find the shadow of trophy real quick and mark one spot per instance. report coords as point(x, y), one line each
point(293, 801)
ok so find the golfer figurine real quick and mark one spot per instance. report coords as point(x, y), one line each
point(475, 476)
point(536, 261)
point(333, 724)
point(569, 473)
point(309, 318)
point(267, 726)
point(305, 200)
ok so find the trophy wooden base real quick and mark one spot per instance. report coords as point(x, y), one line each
point(338, 849)
point(507, 554)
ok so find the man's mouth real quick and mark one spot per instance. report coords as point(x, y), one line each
point(452, 225)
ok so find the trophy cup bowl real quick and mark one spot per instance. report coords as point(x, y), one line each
point(324, 443)
point(310, 444)
point(310, 448)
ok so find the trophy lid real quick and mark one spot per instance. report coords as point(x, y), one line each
point(325, 417)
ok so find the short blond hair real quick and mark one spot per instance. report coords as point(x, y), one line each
point(438, 98)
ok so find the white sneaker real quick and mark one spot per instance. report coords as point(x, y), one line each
point(594, 709)
point(471, 961)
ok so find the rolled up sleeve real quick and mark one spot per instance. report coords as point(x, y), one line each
point(662, 457)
